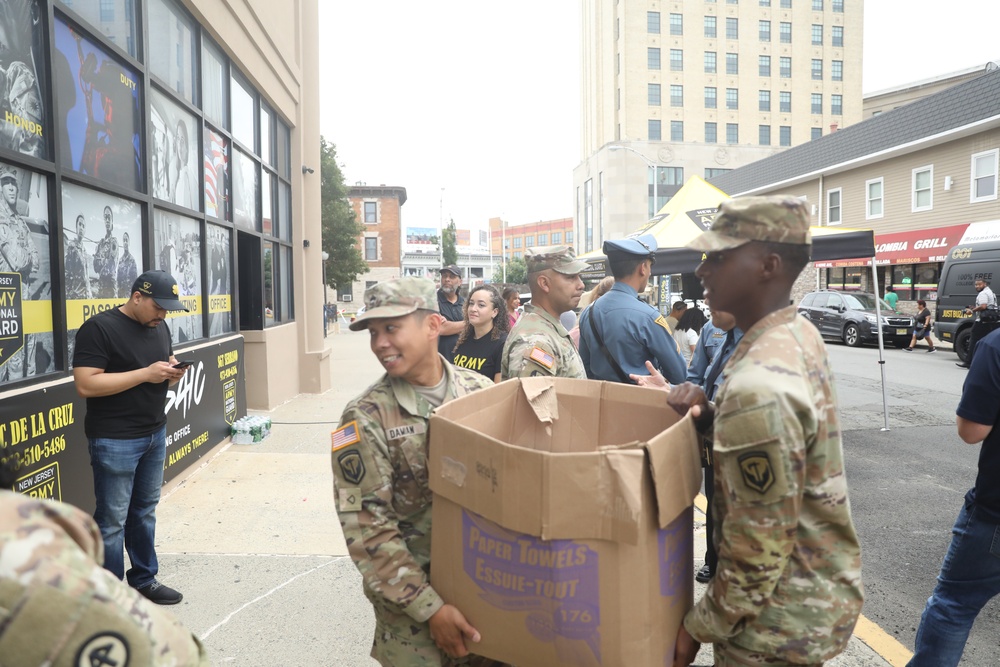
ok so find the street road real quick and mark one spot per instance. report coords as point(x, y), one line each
point(907, 484)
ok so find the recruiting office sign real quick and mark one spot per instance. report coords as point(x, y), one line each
point(42, 430)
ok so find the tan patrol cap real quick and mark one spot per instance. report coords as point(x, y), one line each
point(395, 298)
point(560, 258)
point(775, 219)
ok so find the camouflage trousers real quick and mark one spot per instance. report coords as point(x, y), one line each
point(728, 655)
point(402, 642)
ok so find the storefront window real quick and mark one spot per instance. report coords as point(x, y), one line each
point(266, 153)
point(23, 124)
point(177, 249)
point(852, 277)
point(902, 281)
point(835, 279)
point(98, 102)
point(244, 109)
point(269, 315)
point(925, 281)
point(174, 171)
point(172, 48)
point(267, 211)
point(220, 301)
point(245, 181)
point(285, 303)
point(27, 346)
point(115, 19)
point(214, 84)
point(216, 175)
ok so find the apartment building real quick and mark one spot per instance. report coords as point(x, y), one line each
point(674, 89)
point(379, 209)
point(514, 239)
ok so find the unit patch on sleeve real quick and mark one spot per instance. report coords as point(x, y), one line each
point(757, 471)
point(542, 358)
point(352, 466)
point(397, 432)
point(345, 435)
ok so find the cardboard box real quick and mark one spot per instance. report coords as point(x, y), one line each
point(562, 520)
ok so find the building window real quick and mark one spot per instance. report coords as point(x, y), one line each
point(785, 67)
point(837, 32)
point(837, 105)
point(529, 241)
point(653, 94)
point(653, 58)
point(676, 130)
point(569, 237)
point(786, 4)
point(371, 248)
point(817, 5)
point(785, 30)
point(838, 6)
point(371, 212)
point(984, 176)
point(711, 133)
point(653, 22)
point(732, 98)
point(732, 133)
point(518, 241)
point(713, 172)
point(765, 3)
point(543, 239)
point(676, 24)
point(763, 100)
point(732, 2)
point(676, 60)
point(923, 199)
point(873, 195)
point(710, 97)
point(817, 35)
point(817, 103)
point(732, 28)
point(172, 54)
point(817, 69)
point(764, 135)
point(837, 70)
point(833, 206)
point(785, 101)
point(710, 30)
point(710, 67)
point(654, 130)
point(785, 135)
point(764, 65)
point(732, 63)
point(676, 95)
point(764, 30)
point(815, 132)
point(107, 11)
point(556, 237)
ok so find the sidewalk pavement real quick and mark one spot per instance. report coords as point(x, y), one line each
point(251, 538)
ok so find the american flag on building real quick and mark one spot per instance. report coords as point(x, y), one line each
point(216, 159)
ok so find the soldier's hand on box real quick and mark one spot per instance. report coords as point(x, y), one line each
point(655, 378)
point(686, 648)
point(689, 396)
point(448, 627)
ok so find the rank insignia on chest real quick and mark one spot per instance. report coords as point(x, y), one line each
point(352, 467)
point(344, 436)
point(757, 472)
point(542, 358)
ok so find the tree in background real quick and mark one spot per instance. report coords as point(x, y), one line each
point(517, 272)
point(449, 243)
point(341, 229)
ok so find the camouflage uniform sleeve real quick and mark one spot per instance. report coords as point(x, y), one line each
point(362, 481)
point(530, 356)
point(759, 493)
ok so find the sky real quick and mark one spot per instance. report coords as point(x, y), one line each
point(473, 107)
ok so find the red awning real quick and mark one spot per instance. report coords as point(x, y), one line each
point(913, 247)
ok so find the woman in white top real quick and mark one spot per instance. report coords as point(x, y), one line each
point(688, 329)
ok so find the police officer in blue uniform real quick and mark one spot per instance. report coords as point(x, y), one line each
point(618, 332)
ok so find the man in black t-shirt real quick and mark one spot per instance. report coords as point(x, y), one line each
point(451, 304)
point(122, 364)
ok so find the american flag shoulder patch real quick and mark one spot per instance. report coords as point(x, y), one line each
point(345, 435)
point(542, 358)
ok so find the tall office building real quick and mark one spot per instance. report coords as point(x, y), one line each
point(700, 87)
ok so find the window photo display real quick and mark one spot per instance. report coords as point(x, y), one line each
point(245, 191)
point(24, 256)
point(177, 248)
point(174, 176)
point(220, 301)
point(98, 103)
point(216, 174)
point(22, 117)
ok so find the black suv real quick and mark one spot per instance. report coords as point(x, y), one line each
point(850, 317)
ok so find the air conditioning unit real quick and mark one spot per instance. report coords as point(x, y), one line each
point(346, 297)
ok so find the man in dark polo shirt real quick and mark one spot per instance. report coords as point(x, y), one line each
point(123, 363)
point(451, 304)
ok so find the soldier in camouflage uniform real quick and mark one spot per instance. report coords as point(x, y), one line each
point(59, 607)
point(787, 590)
point(539, 344)
point(106, 259)
point(379, 458)
point(77, 265)
point(18, 252)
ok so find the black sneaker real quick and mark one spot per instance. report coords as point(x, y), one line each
point(932, 350)
point(907, 349)
point(962, 365)
point(704, 575)
point(160, 594)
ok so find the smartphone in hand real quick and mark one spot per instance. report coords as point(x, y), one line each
point(182, 364)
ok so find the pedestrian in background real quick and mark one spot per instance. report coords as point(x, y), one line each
point(600, 289)
point(676, 311)
point(452, 309)
point(891, 297)
point(985, 312)
point(687, 331)
point(379, 460)
point(922, 330)
point(788, 585)
point(480, 345)
point(513, 301)
point(970, 574)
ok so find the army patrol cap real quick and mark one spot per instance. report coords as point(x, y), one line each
point(634, 247)
point(8, 175)
point(775, 219)
point(162, 287)
point(559, 258)
point(395, 298)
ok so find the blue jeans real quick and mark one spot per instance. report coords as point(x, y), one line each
point(970, 577)
point(128, 475)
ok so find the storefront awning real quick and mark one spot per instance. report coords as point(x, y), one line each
point(912, 247)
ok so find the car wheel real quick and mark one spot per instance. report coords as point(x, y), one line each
point(852, 337)
point(962, 341)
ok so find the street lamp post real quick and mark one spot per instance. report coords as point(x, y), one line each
point(326, 300)
point(656, 176)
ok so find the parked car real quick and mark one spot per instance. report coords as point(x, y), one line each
point(850, 317)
